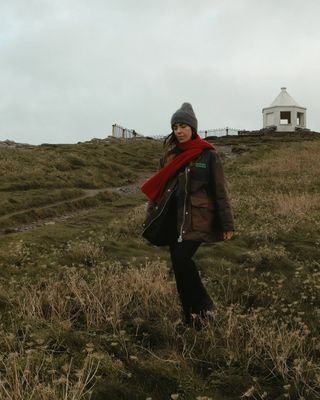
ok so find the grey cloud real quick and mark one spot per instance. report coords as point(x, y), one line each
point(68, 70)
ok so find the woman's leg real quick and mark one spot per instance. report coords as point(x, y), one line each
point(193, 295)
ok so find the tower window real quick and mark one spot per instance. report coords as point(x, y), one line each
point(285, 117)
point(300, 119)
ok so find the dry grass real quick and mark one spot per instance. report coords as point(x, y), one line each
point(17, 253)
point(280, 189)
point(85, 252)
point(262, 342)
point(258, 343)
point(288, 159)
point(86, 165)
point(129, 225)
point(112, 298)
point(26, 377)
point(103, 297)
point(296, 205)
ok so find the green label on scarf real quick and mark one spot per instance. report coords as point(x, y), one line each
point(200, 165)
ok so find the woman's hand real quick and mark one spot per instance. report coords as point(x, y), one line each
point(227, 235)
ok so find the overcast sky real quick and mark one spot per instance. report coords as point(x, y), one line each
point(69, 69)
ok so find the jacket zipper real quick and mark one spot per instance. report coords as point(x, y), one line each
point(184, 205)
point(164, 206)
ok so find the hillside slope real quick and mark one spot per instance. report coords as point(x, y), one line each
point(36, 178)
point(89, 307)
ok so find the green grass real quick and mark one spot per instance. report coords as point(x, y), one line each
point(34, 179)
point(83, 165)
point(90, 290)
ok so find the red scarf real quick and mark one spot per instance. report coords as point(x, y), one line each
point(155, 185)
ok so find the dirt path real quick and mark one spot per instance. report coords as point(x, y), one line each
point(125, 190)
point(88, 193)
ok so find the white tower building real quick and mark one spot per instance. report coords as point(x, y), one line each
point(284, 113)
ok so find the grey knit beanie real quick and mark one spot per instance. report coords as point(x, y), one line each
point(185, 115)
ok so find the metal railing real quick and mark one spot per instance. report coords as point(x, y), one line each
point(218, 132)
point(120, 132)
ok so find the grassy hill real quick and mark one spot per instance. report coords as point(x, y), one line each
point(88, 308)
point(35, 178)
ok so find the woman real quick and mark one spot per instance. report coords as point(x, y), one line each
point(188, 205)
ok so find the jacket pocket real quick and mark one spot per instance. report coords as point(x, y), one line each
point(202, 214)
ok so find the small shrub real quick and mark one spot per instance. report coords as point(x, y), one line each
point(84, 252)
point(16, 254)
point(266, 255)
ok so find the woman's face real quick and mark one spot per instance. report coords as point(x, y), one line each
point(182, 132)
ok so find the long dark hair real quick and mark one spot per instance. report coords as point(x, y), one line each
point(170, 144)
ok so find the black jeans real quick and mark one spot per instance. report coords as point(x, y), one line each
point(193, 295)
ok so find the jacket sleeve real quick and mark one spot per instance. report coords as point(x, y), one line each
point(220, 192)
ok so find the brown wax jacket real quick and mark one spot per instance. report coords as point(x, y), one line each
point(202, 206)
